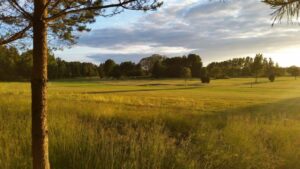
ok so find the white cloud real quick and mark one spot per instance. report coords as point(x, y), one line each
point(216, 30)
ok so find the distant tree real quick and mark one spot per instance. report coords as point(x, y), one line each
point(25, 65)
point(158, 70)
point(268, 67)
point(116, 72)
point(9, 59)
point(294, 71)
point(138, 71)
point(195, 63)
point(205, 75)
point(52, 67)
point(101, 72)
point(279, 71)
point(62, 68)
point(246, 69)
point(257, 66)
point(127, 69)
point(108, 67)
point(271, 77)
point(217, 72)
point(173, 66)
point(186, 74)
point(148, 62)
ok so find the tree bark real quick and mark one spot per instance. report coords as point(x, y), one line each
point(39, 77)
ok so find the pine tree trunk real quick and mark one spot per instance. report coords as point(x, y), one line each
point(39, 89)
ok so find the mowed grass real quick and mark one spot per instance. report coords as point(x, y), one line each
point(158, 124)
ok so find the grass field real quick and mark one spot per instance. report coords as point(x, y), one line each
point(159, 124)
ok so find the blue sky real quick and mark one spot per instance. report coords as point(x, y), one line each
point(214, 30)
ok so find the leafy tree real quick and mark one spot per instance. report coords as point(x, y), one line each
point(271, 77)
point(148, 62)
point(186, 74)
point(62, 69)
point(217, 72)
point(108, 67)
point(257, 66)
point(9, 59)
point(25, 65)
point(52, 67)
point(127, 68)
point(173, 66)
point(101, 72)
point(36, 18)
point(158, 70)
point(116, 72)
point(195, 63)
point(204, 75)
point(294, 71)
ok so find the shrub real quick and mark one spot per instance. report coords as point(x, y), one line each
point(205, 79)
point(271, 77)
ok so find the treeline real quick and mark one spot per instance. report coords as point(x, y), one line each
point(258, 66)
point(156, 66)
point(245, 67)
point(15, 66)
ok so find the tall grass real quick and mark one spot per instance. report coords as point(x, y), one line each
point(134, 125)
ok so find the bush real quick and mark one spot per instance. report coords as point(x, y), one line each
point(271, 77)
point(205, 79)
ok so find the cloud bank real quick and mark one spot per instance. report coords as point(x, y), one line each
point(215, 30)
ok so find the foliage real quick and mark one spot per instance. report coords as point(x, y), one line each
point(15, 66)
point(205, 77)
point(271, 77)
point(158, 70)
point(185, 73)
point(294, 71)
point(288, 9)
point(148, 63)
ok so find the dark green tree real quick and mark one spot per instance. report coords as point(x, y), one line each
point(101, 71)
point(127, 69)
point(158, 70)
point(257, 66)
point(195, 63)
point(148, 62)
point(185, 73)
point(205, 78)
point(116, 72)
point(294, 71)
point(108, 67)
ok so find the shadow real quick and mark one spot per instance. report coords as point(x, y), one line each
point(155, 84)
point(261, 113)
point(265, 81)
point(140, 90)
point(180, 124)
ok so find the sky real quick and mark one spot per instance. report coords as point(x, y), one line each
point(215, 30)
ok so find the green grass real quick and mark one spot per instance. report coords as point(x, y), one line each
point(159, 124)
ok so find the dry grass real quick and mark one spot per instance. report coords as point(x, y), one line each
point(158, 125)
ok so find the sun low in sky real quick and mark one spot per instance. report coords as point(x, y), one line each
point(214, 30)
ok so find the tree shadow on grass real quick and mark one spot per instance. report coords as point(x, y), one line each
point(140, 90)
point(182, 125)
point(259, 113)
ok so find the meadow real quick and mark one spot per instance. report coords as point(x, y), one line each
point(158, 124)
